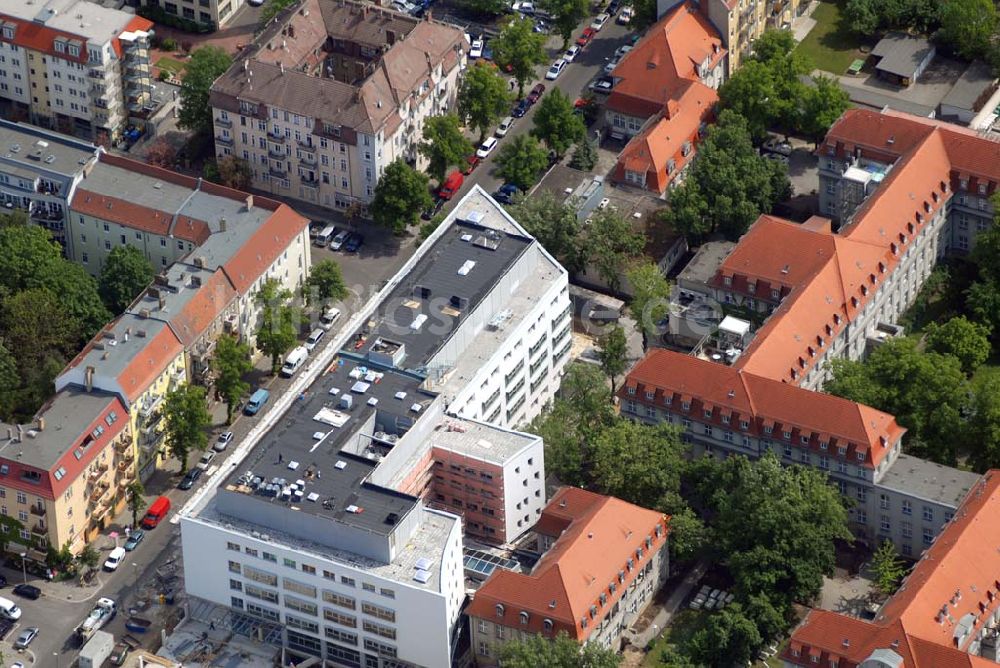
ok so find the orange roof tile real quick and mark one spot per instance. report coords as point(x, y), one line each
point(603, 534)
point(37, 37)
point(263, 247)
point(210, 300)
point(668, 54)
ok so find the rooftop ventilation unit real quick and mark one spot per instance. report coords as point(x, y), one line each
point(476, 217)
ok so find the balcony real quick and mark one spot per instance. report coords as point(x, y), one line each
point(277, 139)
point(310, 183)
point(306, 146)
point(278, 172)
point(38, 511)
point(123, 446)
point(224, 141)
point(149, 406)
point(39, 529)
point(96, 73)
point(276, 154)
point(224, 123)
point(307, 160)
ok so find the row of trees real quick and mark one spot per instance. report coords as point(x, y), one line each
point(772, 528)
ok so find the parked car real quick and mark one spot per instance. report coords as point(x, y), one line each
point(536, 93)
point(625, 17)
point(3, 580)
point(25, 638)
point(27, 591)
point(134, 539)
point(610, 66)
point(339, 239)
point(622, 50)
point(541, 27)
point(354, 242)
point(115, 559)
point(476, 51)
point(601, 85)
point(221, 443)
point(504, 127)
point(470, 165)
point(775, 145)
point(614, 6)
point(206, 460)
point(555, 70)
point(584, 39)
point(525, 7)
point(599, 21)
point(187, 482)
point(330, 316)
point(312, 341)
point(520, 109)
point(776, 157)
point(505, 193)
point(571, 53)
point(486, 148)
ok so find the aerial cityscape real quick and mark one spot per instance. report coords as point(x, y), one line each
point(499, 334)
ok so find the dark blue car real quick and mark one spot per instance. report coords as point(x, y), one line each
point(521, 108)
point(505, 194)
point(354, 242)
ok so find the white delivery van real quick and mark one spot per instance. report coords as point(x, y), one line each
point(9, 609)
point(294, 361)
point(324, 236)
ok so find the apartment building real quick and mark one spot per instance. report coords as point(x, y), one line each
point(343, 501)
point(74, 66)
point(331, 93)
point(740, 22)
point(39, 171)
point(945, 613)
point(63, 476)
point(216, 247)
point(728, 411)
point(603, 561)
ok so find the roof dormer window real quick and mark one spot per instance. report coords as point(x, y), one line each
point(499, 609)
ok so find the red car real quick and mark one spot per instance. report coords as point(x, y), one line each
point(471, 163)
point(584, 39)
point(536, 93)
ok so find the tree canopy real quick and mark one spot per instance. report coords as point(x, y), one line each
point(650, 297)
point(556, 124)
point(612, 245)
point(519, 49)
point(535, 651)
point(444, 144)
point(401, 194)
point(868, 17)
point(125, 274)
point(613, 354)
point(185, 420)
point(521, 160)
point(325, 283)
point(205, 66)
point(887, 568)
point(276, 334)
point(960, 337)
point(566, 15)
point(555, 226)
point(483, 97)
point(968, 27)
point(231, 363)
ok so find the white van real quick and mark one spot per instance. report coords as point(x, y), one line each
point(324, 236)
point(314, 338)
point(9, 609)
point(294, 361)
point(115, 558)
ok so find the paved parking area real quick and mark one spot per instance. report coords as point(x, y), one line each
point(922, 97)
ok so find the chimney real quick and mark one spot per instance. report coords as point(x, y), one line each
point(281, 66)
point(222, 221)
point(141, 333)
point(249, 202)
point(41, 423)
point(163, 302)
point(89, 378)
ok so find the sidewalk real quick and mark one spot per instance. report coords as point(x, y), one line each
point(663, 618)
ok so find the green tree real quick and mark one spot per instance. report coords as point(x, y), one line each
point(639, 463)
point(579, 413)
point(276, 334)
point(444, 144)
point(728, 638)
point(613, 353)
point(205, 66)
point(135, 492)
point(483, 97)
point(486, 7)
point(234, 172)
point(650, 297)
point(584, 156)
point(983, 436)
point(750, 92)
point(612, 244)
point(401, 194)
point(556, 124)
point(15, 218)
point(519, 49)
point(185, 419)
point(555, 226)
point(969, 27)
point(687, 212)
point(88, 557)
point(823, 103)
point(325, 283)
point(125, 274)
point(566, 15)
point(231, 363)
point(960, 337)
point(521, 160)
point(536, 651)
point(10, 380)
point(887, 568)
point(272, 9)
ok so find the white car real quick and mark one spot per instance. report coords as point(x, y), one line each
point(599, 21)
point(330, 316)
point(486, 148)
point(571, 53)
point(115, 558)
point(625, 16)
point(206, 460)
point(339, 240)
point(556, 69)
point(622, 50)
point(225, 438)
point(505, 126)
point(610, 67)
point(527, 8)
point(477, 49)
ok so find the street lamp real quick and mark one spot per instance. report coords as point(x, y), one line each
point(24, 566)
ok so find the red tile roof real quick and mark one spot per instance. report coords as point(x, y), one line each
point(761, 402)
point(602, 536)
point(138, 216)
point(670, 53)
point(37, 37)
point(210, 300)
point(651, 150)
point(955, 581)
point(265, 245)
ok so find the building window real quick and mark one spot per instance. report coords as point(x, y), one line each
point(928, 514)
point(928, 536)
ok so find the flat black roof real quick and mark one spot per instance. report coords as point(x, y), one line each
point(447, 282)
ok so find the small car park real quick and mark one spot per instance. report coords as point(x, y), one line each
point(476, 51)
point(187, 482)
point(221, 443)
point(584, 39)
point(555, 70)
point(134, 539)
point(599, 21)
point(25, 637)
point(571, 53)
point(504, 127)
point(486, 147)
point(206, 460)
point(536, 93)
point(27, 591)
point(115, 559)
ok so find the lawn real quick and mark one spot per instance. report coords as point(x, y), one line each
point(175, 67)
point(830, 45)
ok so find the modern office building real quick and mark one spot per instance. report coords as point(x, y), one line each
point(74, 66)
point(603, 559)
point(330, 533)
point(331, 93)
